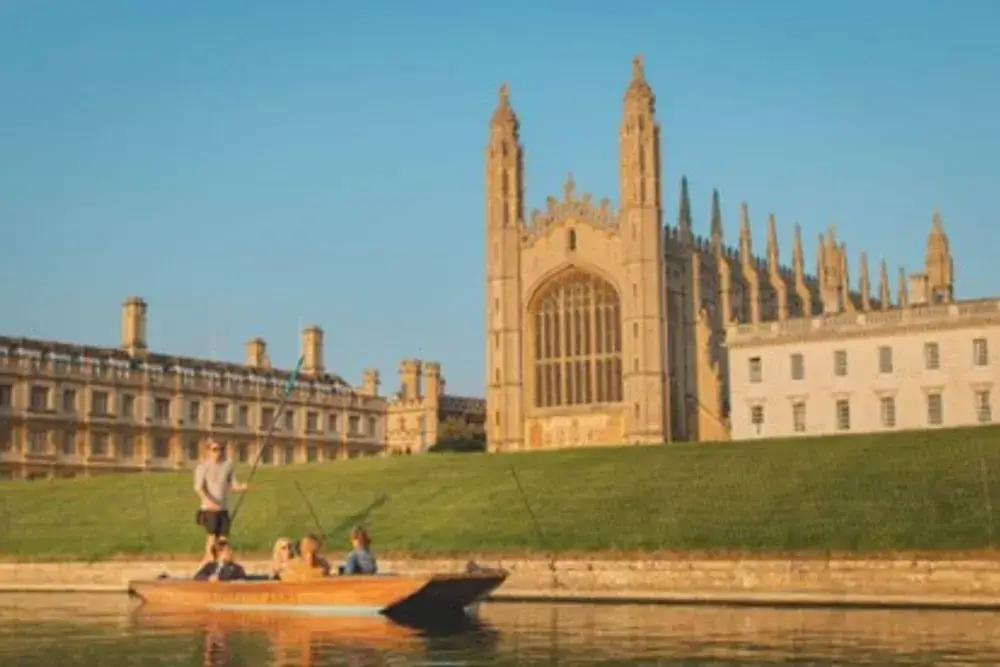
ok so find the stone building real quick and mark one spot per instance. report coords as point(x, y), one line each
point(927, 361)
point(604, 326)
point(67, 409)
point(421, 407)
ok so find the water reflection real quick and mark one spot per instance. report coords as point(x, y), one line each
point(47, 629)
point(296, 639)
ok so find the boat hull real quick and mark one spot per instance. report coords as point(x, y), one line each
point(390, 595)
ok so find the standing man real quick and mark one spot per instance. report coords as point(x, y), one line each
point(213, 479)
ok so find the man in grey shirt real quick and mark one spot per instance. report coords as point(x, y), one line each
point(214, 478)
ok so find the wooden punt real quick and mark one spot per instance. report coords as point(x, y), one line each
point(387, 594)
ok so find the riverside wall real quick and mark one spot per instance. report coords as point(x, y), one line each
point(843, 581)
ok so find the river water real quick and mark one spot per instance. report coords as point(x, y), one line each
point(111, 630)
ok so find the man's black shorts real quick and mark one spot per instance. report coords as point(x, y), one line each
point(215, 522)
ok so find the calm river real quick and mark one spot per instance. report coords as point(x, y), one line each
point(107, 630)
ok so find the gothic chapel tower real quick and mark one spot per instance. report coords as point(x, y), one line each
point(504, 224)
point(575, 297)
point(644, 297)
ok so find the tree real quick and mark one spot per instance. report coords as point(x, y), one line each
point(458, 436)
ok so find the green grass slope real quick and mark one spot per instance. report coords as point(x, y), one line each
point(916, 491)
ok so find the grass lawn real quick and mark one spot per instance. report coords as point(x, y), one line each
point(907, 492)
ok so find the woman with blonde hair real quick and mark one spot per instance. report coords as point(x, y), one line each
point(281, 555)
point(309, 564)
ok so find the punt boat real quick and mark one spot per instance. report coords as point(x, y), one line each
point(392, 595)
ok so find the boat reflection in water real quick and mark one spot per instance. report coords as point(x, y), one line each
point(307, 640)
point(87, 630)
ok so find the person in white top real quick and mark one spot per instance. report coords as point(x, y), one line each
point(214, 478)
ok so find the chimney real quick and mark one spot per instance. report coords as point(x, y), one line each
point(919, 289)
point(134, 325)
point(312, 350)
point(257, 354)
point(409, 376)
point(370, 382)
point(434, 387)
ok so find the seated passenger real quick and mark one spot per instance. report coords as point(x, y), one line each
point(361, 560)
point(281, 556)
point(223, 568)
point(309, 564)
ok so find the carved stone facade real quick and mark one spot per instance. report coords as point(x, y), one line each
point(69, 409)
point(926, 361)
point(417, 412)
point(606, 326)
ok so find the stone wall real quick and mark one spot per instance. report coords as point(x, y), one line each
point(955, 582)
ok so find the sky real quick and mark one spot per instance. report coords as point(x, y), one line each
point(251, 167)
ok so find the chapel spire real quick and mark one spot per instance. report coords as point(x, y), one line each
point(684, 223)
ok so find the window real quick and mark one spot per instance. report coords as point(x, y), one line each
point(932, 360)
point(289, 454)
point(757, 418)
point(755, 371)
point(935, 409)
point(161, 408)
point(884, 359)
point(38, 442)
point(354, 425)
point(242, 452)
point(220, 413)
point(243, 416)
point(312, 454)
point(576, 342)
point(191, 449)
point(799, 417)
point(39, 399)
point(571, 241)
point(798, 367)
point(887, 411)
point(99, 404)
point(290, 420)
point(330, 453)
point(312, 422)
point(128, 406)
point(980, 352)
point(126, 447)
point(372, 427)
point(266, 418)
point(984, 412)
point(267, 455)
point(194, 412)
point(161, 448)
point(333, 424)
point(69, 400)
point(843, 415)
point(98, 444)
point(6, 395)
point(68, 444)
point(840, 363)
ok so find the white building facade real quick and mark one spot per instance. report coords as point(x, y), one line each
point(920, 367)
point(926, 362)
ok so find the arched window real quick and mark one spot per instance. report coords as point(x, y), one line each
point(577, 342)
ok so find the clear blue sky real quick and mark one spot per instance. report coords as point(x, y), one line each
point(247, 165)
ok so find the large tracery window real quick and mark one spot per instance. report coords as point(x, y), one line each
point(577, 342)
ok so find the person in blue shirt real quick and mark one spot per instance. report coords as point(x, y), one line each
point(361, 560)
